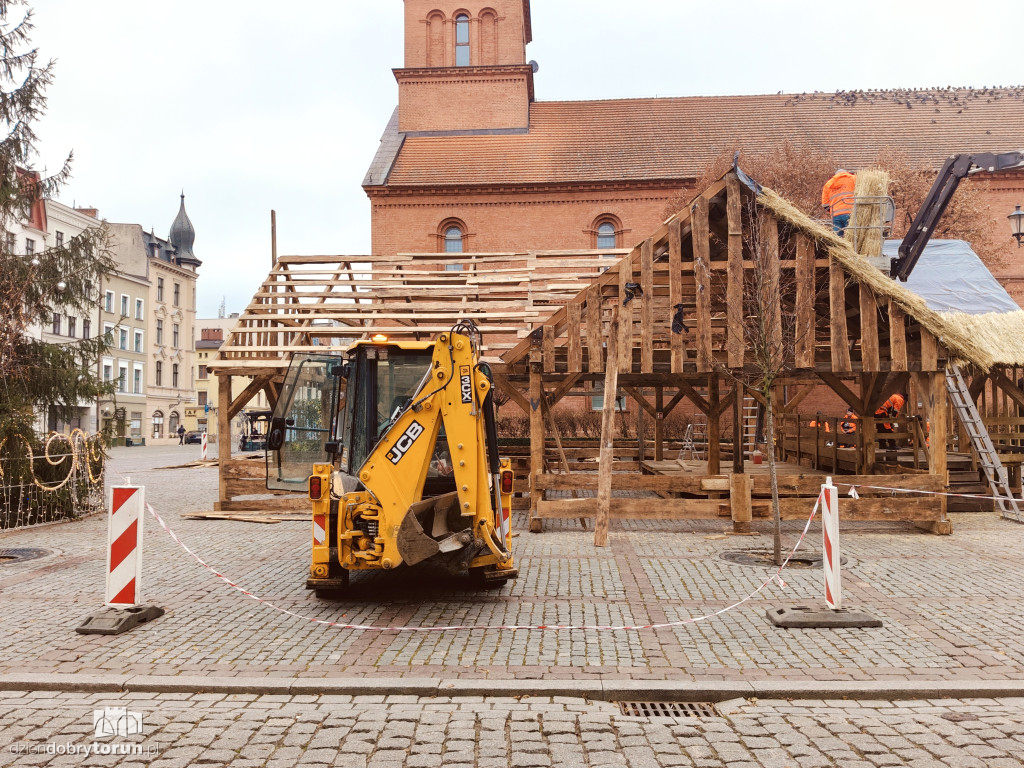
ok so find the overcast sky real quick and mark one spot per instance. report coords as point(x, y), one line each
point(250, 105)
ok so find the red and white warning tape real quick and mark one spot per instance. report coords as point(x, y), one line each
point(776, 576)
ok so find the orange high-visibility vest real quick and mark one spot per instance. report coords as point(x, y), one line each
point(837, 193)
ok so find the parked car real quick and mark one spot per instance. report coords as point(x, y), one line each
point(193, 438)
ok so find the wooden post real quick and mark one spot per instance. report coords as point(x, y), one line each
point(223, 435)
point(606, 457)
point(641, 444)
point(936, 402)
point(804, 302)
point(536, 439)
point(714, 426)
point(675, 291)
point(699, 237)
point(659, 424)
point(739, 502)
point(735, 340)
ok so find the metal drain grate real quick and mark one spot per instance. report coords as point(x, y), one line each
point(22, 553)
point(668, 709)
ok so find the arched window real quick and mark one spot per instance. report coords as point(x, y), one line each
point(158, 423)
point(462, 40)
point(453, 239)
point(606, 232)
point(435, 39)
point(172, 424)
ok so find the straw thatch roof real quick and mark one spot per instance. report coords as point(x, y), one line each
point(995, 338)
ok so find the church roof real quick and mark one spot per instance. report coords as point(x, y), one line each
point(677, 138)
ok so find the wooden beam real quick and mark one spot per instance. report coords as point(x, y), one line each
point(536, 438)
point(770, 233)
point(843, 391)
point(604, 471)
point(575, 342)
point(737, 431)
point(548, 348)
point(702, 275)
point(647, 307)
point(897, 337)
point(506, 386)
point(739, 501)
point(562, 389)
point(246, 395)
point(675, 293)
point(794, 402)
point(595, 334)
point(868, 329)
point(224, 440)
point(642, 401)
point(736, 340)
point(714, 426)
point(805, 293)
point(929, 351)
point(625, 318)
point(659, 423)
point(839, 336)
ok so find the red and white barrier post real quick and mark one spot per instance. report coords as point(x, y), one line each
point(204, 446)
point(124, 546)
point(123, 593)
point(830, 536)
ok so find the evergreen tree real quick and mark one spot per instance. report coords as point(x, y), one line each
point(38, 377)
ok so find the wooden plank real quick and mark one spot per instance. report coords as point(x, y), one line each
point(938, 416)
point(604, 488)
point(714, 426)
point(702, 274)
point(548, 348)
point(809, 485)
point(868, 330)
point(223, 436)
point(647, 307)
point(735, 339)
point(839, 337)
point(897, 337)
point(625, 318)
point(512, 391)
point(595, 334)
point(929, 351)
point(635, 509)
point(659, 423)
point(681, 483)
point(574, 340)
point(536, 439)
point(739, 502)
point(804, 331)
point(772, 275)
point(675, 293)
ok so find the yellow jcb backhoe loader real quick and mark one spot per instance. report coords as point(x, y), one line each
point(402, 443)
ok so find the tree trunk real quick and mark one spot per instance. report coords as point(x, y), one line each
point(774, 475)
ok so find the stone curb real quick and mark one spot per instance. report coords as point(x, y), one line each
point(595, 688)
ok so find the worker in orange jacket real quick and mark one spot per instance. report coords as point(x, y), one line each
point(890, 409)
point(837, 198)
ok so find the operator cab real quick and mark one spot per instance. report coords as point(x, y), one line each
point(333, 409)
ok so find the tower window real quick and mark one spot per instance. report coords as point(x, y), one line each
point(462, 40)
point(606, 235)
point(606, 232)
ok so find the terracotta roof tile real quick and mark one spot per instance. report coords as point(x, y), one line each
point(643, 139)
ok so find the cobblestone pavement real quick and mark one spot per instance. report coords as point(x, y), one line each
point(387, 732)
point(952, 606)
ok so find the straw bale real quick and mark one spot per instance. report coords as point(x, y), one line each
point(981, 340)
point(865, 229)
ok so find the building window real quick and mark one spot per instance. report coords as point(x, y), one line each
point(159, 289)
point(137, 381)
point(597, 399)
point(124, 305)
point(453, 236)
point(177, 294)
point(12, 242)
point(202, 398)
point(462, 40)
point(56, 323)
point(138, 309)
point(202, 372)
point(175, 335)
point(174, 375)
point(30, 246)
point(136, 424)
point(123, 339)
point(60, 239)
point(108, 371)
point(138, 341)
point(72, 326)
point(172, 424)
point(108, 301)
point(122, 378)
point(159, 331)
point(158, 422)
point(606, 231)
point(159, 374)
point(108, 334)
point(86, 329)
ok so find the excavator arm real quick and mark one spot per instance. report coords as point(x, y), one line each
point(952, 173)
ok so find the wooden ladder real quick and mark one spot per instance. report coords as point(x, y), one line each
point(967, 411)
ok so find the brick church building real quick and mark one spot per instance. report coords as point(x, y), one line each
point(471, 161)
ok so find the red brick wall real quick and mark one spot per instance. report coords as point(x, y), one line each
point(496, 33)
point(464, 98)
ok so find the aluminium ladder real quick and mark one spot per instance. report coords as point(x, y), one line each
point(967, 411)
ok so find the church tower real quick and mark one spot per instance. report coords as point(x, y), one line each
point(465, 68)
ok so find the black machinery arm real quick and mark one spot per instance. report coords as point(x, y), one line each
point(953, 171)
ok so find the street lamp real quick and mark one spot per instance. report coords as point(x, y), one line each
point(1017, 225)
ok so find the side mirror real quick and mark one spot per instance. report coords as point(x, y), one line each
point(276, 437)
